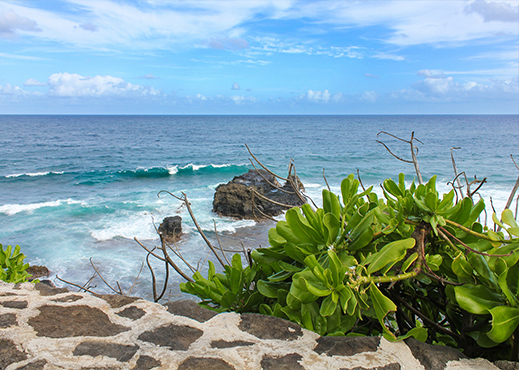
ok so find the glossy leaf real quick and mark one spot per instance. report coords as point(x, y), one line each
point(504, 321)
point(390, 253)
point(477, 299)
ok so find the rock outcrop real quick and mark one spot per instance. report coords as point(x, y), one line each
point(237, 198)
point(171, 228)
point(47, 328)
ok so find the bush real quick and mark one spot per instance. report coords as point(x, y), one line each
point(12, 268)
point(407, 264)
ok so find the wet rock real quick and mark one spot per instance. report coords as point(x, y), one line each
point(269, 327)
point(46, 290)
point(288, 362)
point(171, 228)
point(117, 300)
point(73, 321)
point(190, 309)
point(177, 338)
point(68, 298)
point(507, 365)
point(237, 198)
point(120, 352)
point(433, 357)
point(346, 346)
point(197, 363)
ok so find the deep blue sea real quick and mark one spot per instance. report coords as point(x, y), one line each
point(79, 187)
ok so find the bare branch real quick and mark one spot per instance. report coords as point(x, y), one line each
point(394, 155)
point(76, 285)
point(104, 281)
point(454, 167)
point(268, 182)
point(326, 181)
point(264, 167)
point(219, 243)
point(360, 181)
point(270, 200)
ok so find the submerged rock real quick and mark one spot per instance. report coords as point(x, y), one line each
point(237, 198)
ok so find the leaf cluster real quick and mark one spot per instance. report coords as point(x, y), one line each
point(12, 268)
point(409, 263)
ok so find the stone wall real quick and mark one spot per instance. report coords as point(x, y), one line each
point(50, 328)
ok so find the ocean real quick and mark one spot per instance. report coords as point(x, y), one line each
point(75, 189)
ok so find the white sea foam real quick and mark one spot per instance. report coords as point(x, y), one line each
point(173, 170)
point(12, 209)
point(34, 174)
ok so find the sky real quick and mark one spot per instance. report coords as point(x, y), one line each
point(259, 57)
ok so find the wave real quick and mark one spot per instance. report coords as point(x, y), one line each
point(12, 209)
point(34, 174)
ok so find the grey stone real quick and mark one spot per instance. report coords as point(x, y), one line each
point(73, 321)
point(37, 365)
point(346, 346)
point(68, 298)
point(38, 271)
point(15, 304)
point(172, 336)
point(433, 357)
point(7, 320)
point(117, 300)
point(198, 363)
point(507, 365)
point(269, 327)
point(288, 362)
point(120, 352)
point(132, 312)
point(9, 354)
point(225, 344)
point(190, 309)
point(146, 363)
point(46, 290)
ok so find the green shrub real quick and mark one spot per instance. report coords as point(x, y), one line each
point(407, 264)
point(12, 268)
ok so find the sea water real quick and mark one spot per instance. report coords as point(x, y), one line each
point(77, 190)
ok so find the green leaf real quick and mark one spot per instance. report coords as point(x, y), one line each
point(382, 304)
point(413, 257)
point(269, 290)
point(328, 306)
point(508, 218)
point(477, 299)
point(301, 228)
point(332, 224)
point(315, 290)
point(390, 253)
point(461, 267)
point(504, 321)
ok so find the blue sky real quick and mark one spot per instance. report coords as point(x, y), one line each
point(259, 57)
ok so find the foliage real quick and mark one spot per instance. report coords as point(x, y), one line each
point(12, 268)
point(406, 264)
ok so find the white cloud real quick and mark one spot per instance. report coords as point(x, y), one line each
point(235, 86)
point(370, 96)
point(74, 85)
point(10, 22)
point(228, 43)
point(34, 82)
point(8, 89)
point(321, 96)
point(240, 99)
point(494, 11)
point(148, 76)
point(371, 75)
point(431, 73)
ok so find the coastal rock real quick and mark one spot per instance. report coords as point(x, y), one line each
point(38, 271)
point(237, 198)
point(171, 228)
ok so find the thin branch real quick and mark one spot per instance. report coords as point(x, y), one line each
point(263, 213)
point(514, 190)
point(104, 281)
point(135, 281)
point(454, 167)
point(479, 186)
point(271, 201)
point(270, 183)
point(326, 181)
point(264, 167)
point(360, 181)
point(219, 243)
point(471, 249)
point(394, 155)
point(76, 285)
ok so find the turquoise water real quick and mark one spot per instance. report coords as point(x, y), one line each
point(79, 187)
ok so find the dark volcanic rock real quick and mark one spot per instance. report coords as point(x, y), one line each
point(118, 351)
point(9, 354)
point(46, 290)
point(7, 320)
point(177, 338)
point(38, 271)
point(37, 365)
point(190, 309)
point(73, 321)
point(171, 228)
point(225, 344)
point(132, 313)
point(146, 363)
point(117, 300)
point(346, 346)
point(197, 363)
point(269, 327)
point(393, 366)
point(288, 362)
point(15, 304)
point(433, 357)
point(237, 199)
